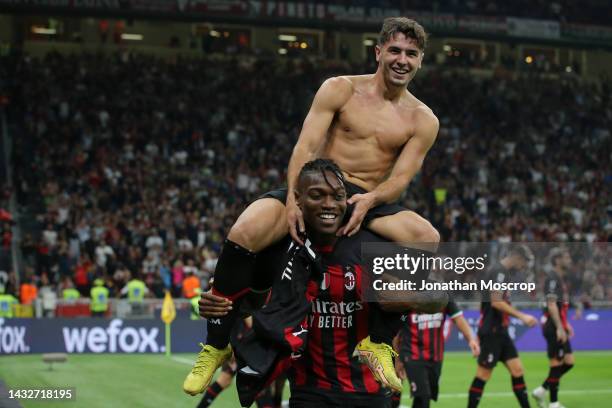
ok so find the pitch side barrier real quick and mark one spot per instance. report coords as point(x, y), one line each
point(99, 335)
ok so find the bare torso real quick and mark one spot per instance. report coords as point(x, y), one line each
point(368, 132)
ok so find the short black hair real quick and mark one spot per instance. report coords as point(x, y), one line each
point(320, 166)
point(406, 26)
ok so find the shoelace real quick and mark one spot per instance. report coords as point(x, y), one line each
point(198, 367)
point(390, 349)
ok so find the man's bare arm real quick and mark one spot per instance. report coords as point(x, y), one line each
point(409, 161)
point(330, 98)
point(465, 329)
point(553, 311)
point(507, 308)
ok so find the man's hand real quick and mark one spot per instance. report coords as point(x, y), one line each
point(295, 221)
point(213, 306)
point(400, 369)
point(475, 347)
point(570, 330)
point(561, 335)
point(529, 320)
point(362, 202)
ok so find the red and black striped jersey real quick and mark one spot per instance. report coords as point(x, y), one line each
point(337, 321)
point(492, 321)
point(422, 334)
point(556, 289)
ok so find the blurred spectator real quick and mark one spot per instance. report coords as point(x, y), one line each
point(68, 290)
point(191, 283)
point(99, 298)
point(7, 304)
point(48, 296)
point(28, 291)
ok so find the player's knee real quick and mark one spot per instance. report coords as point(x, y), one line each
point(483, 373)
point(517, 371)
point(427, 233)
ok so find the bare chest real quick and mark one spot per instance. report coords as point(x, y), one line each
point(384, 124)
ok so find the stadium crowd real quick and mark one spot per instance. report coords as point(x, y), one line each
point(134, 166)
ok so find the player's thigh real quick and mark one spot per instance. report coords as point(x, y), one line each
point(569, 358)
point(261, 224)
point(509, 355)
point(435, 370)
point(406, 227)
point(490, 352)
point(418, 378)
point(555, 350)
point(515, 367)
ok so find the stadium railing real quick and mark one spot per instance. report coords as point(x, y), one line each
point(151, 308)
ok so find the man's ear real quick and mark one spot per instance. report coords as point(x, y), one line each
point(377, 51)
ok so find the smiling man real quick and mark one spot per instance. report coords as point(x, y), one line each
point(379, 134)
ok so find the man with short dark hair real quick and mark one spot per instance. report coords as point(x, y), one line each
point(316, 308)
point(495, 341)
point(556, 330)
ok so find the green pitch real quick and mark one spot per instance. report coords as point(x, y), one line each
point(145, 380)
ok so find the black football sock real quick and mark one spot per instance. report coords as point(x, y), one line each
point(566, 368)
point(552, 382)
point(211, 393)
point(383, 326)
point(520, 390)
point(476, 391)
point(420, 402)
point(233, 276)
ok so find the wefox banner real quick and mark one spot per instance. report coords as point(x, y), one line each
point(97, 335)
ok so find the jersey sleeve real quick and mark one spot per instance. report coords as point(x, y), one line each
point(453, 310)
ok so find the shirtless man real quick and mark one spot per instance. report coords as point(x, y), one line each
point(379, 134)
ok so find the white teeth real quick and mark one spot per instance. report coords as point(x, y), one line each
point(327, 216)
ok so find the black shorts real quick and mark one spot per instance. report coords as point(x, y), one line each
point(424, 377)
point(335, 399)
point(351, 189)
point(554, 348)
point(494, 348)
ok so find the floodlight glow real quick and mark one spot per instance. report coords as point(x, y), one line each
point(44, 30)
point(132, 37)
point(286, 37)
